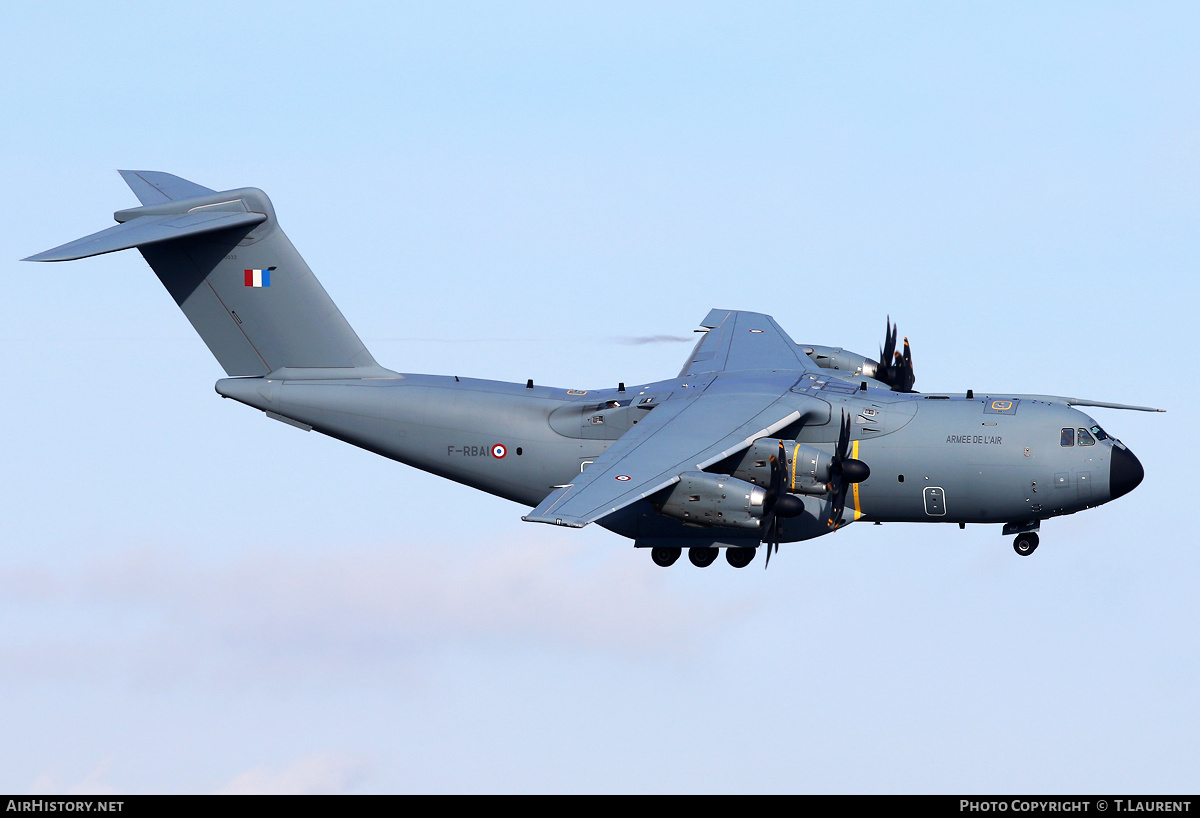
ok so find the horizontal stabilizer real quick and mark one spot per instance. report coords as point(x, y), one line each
point(145, 230)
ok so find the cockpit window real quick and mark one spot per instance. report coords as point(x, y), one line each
point(1085, 439)
point(1099, 433)
point(1067, 438)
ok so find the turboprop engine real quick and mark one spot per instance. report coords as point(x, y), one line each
point(894, 368)
point(806, 469)
point(707, 499)
point(809, 470)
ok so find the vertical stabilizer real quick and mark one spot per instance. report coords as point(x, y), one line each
point(233, 272)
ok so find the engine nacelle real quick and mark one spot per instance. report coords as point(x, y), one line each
point(807, 468)
point(718, 500)
point(842, 360)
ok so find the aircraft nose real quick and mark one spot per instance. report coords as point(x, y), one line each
point(1125, 472)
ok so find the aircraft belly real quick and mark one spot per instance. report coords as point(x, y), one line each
point(495, 441)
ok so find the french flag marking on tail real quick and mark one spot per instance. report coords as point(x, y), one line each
point(259, 278)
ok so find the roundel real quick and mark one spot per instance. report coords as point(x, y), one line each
point(498, 451)
point(623, 477)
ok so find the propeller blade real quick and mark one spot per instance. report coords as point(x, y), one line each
point(839, 506)
point(843, 471)
point(884, 373)
point(843, 447)
point(908, 377)
point(895, 367)
point(778, 503)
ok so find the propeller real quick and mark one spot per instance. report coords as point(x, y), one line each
point(895, 369)
point(886, 352)
point(843, 471)
point(905, 377)
point(778, 503)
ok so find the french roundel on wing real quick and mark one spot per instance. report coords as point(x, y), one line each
point(499, 451)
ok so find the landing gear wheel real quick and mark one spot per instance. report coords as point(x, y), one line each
point(702, 557)
point(740, 557)
point(664, 556)
point(1025, 544)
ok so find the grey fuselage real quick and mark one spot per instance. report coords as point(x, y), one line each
point(932, 458)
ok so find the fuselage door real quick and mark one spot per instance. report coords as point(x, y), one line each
point(935, 501)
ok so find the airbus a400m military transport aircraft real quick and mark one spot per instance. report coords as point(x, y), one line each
point(757, 441)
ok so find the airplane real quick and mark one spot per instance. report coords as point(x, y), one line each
point(757, 441)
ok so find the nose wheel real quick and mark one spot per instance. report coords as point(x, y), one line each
point(1025, 544)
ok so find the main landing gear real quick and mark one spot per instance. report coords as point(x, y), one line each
point(703, 557)
point(1025, 544)
point(740, 557)
point(664, 556)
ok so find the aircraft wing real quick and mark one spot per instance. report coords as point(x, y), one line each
point(700, 423)
point(742, 341)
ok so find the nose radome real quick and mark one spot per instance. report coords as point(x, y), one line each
point(1125, 472)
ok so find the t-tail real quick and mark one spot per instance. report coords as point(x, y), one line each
point(235, 275)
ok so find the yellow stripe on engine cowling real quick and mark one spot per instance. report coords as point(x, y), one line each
point(795, 457)
point(857, 508)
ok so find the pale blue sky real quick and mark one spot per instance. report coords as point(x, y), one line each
point(196, 599)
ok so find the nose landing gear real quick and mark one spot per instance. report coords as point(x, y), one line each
point(1027, 539)
point(1025, 544)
